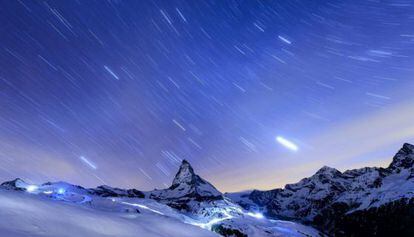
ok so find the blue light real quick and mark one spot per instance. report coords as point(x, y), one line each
point(61, 191)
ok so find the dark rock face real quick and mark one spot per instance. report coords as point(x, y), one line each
point(106, 191)
point(391, 219)
point(227, 231)
point(131, 210)
point(404, 159)
point(360, 202)
point(13, 184)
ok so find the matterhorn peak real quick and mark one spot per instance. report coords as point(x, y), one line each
point(187, 184)
point(185, 174)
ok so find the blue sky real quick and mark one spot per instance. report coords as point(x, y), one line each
point(118, 92)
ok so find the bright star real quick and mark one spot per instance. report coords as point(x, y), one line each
point(286, 143)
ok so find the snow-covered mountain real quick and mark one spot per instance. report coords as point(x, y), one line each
point(190, 207)
point(200, 200)
point(195, 196)
point(359, 202)
point(187, 185)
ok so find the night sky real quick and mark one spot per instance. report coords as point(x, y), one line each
point(119, 92)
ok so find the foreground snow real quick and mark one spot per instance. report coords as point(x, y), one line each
point(23, 214)
point(76, 213)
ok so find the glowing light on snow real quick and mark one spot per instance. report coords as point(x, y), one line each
point(286, 143)
point(61, 191)
point(48, 192)
point(31, 188)
point(209, 224)
point(143, 207)
point(86, 161)
point(255, 215)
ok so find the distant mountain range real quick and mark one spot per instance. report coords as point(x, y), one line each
point(360, 202)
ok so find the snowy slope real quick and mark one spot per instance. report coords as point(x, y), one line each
point(26, 214)
point(251, 227)
point(23, 215)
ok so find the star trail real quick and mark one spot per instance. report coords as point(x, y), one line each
point(119, 92)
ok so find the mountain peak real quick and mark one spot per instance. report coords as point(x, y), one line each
point(407, 148)
point(185, 174)
point(327, 170)
point(187, 184)
point(404, 158)
point(183, 162)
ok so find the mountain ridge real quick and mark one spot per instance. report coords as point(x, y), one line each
point(327, 198)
